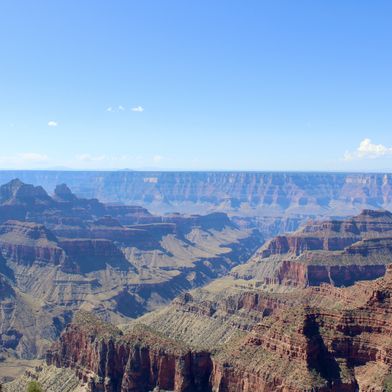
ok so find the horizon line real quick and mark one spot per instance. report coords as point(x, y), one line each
point(156, 170)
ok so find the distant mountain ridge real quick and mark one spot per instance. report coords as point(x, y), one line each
point(244, 193)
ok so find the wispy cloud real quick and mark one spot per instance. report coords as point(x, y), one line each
point(105, 159)
point(23, 159)
point(53, 123)
point(138, 109)
point(92, 161)
point(122, 108)
point(90, 158)
point(368, 150)
point(115, 109)
point(33, 157)
point(120, 161)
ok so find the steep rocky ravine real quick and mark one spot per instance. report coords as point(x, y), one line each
point(295, 318)
point(331, 339)
point(61, 253)
point(309, 311)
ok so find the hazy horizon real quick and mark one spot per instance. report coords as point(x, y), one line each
point(171, 170)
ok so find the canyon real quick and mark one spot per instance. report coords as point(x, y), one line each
point(114, 298)
point(338, 252)
point(309, 311)
point(273, 201)
point(324, 339)
point(60, 253)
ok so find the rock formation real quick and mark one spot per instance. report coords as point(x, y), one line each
point(63, 253)
point(309, 311)
point(322, 339)
point(339, 252)
point(136, 361)
point(302, 193)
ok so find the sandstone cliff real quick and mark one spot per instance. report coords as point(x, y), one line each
point(339, 252)
point(108, 360)
point(319, 340)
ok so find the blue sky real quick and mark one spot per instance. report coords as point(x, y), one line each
point(222, 84)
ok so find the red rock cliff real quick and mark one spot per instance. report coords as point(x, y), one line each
point(327, 339)
point(138, 361)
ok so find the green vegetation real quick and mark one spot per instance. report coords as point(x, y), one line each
point(388, 383)
point(34, 386)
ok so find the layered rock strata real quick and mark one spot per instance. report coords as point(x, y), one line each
point(321, 339)
point(339, 252)
point(61, 253)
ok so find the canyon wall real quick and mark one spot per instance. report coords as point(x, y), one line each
point(268, 192)
point(320, 340)
point(61, 253)
point(108, 360)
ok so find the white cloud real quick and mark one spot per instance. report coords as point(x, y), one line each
point(138, 109)
point(115, 109)
point(368, 150)
point(53, 123)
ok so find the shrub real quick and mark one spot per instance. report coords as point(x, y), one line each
point(34, 387)
point(388, 383)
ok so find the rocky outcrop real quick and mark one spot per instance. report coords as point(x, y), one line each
point(140, 236)
point(63, 194)
point(216, 220)
point(131, 215)
point(340, 271)
point(320, 340)
point(27, 202)
point(139, 361)
point(370, 246)
point(87, 255)
point(331, 235)
point(313, 348)
point(292, 273)
point(26, 242)
point(338, 252)
point(17, 193)
point(343, 275)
